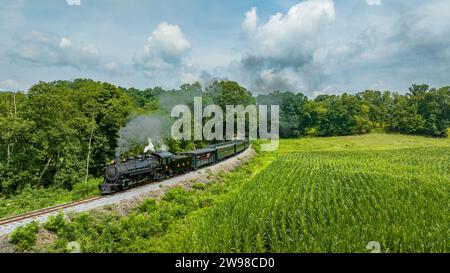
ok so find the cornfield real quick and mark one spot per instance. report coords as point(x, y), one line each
point(335, 201)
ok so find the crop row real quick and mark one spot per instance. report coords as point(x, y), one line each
point(336, 202)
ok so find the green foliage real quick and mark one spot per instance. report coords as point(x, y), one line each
point(225, 93)
point(24, 238)
point(296, 113)
point(199, 186)
point(84, 189)
point(367, 186)
point(344, 115)
point(49, 135)
point(56, 223)
point(360, 193)
point(149, 206)
point(423, 111)
point(144, 98)
point(141, 225)
point(59, 134)
point(152, 226)
point(141, 229)
point(32, 199)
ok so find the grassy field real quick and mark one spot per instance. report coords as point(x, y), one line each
point(335, 195)
point(312, 195)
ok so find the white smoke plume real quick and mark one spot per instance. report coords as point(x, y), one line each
point(150, 147)
point(148, 131)
point(155, 145)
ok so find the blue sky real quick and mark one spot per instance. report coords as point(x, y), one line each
point(313, 46)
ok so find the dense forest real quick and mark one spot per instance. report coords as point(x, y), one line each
point(62, 133)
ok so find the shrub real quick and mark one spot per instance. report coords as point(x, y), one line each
point(141, 225)
point(179, 195)
point(24, 238)
point(88, 188)
point(149, 205)
point(447, 132)
point(199, 186)
point(311, 132)
point(56, 223)
point(171, 211)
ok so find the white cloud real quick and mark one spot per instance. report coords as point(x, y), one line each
point(9, 85)
point(166, 48)
point(73, 2)
point(279, 52)
point(251, 20)
point(45, 49)
point(65, 42)
point(373, 2)
point(290, 37)
point(292, 52)
point(409, 46)
point(112, 66)
point(164, 58)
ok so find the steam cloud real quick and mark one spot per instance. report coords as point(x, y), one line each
point(148, 131)
point(151, 131)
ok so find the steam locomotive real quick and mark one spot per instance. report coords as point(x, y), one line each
point(121, 175)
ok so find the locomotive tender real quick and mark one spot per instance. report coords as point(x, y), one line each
point(121, 175)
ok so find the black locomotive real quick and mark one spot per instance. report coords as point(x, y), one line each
point(121, 175)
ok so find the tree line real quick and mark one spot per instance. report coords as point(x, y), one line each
point(421, 111)
point(61, 133)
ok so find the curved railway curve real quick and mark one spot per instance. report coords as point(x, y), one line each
point(7, 225)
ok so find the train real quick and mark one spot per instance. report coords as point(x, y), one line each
point(124, 174)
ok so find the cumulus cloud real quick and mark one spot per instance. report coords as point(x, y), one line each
point(164, 57)
point(73, 2)
point(374, 2)
point(291, 38)
point(280, 52)
point(10, 85)
point(45, 49)
point(166, 48)
point(251, 20)
point(310, 47)
point(65, 42)
point(409, 47)
point(301, 51)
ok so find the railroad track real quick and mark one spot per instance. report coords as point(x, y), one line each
point(37, 213)
point(8, 225)
point(40, 212)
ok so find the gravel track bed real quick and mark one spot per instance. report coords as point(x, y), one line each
point(124, 201)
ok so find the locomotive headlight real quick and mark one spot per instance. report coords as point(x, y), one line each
point(112, 173)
